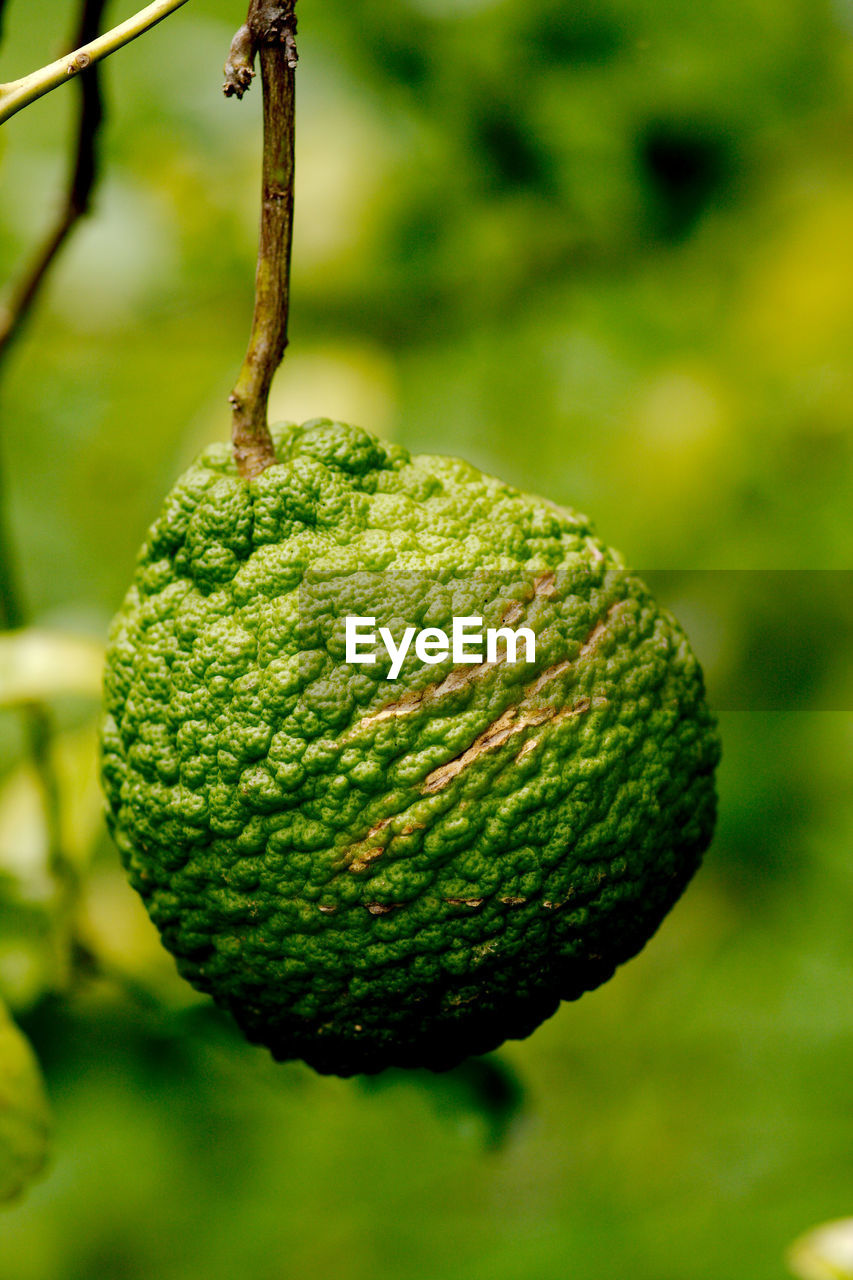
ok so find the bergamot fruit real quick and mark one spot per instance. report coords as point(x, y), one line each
point(371, 872)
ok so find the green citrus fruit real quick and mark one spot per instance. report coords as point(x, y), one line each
point(370, 871)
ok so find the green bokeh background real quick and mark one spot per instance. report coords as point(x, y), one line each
point(601, 249)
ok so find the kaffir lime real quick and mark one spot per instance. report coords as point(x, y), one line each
point(370, 872)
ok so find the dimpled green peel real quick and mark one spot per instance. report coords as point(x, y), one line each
point(371, 872)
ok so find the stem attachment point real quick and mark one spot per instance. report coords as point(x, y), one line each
point(270, 33)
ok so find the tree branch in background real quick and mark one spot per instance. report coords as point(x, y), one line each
point(20, 93)
point(269, 31)
point(37, 718)
point(83, 176)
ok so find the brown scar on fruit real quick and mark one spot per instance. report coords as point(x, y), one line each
point(409, 702)
point(465, 902)
point(551, 905)
point(511, 613)
point(530, 745)
point(577, 709)
point(544, 584)
point(513, 721)
point(355, 858)
point(404, 706)
point(506, 726)
point(363, 860)
point(594, 638)
point(590, 644)
point(551, 673)
point(415, 699)
point(382, 908)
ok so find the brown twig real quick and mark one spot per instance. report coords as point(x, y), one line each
point(83, 177)
point(269, 32)
point(38, 721)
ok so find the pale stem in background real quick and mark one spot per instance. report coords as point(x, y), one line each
point(20, 93)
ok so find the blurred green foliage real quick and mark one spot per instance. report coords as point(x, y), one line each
point(604, 251)
point(24, 1114)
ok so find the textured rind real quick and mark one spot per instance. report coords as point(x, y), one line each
point(369, 872)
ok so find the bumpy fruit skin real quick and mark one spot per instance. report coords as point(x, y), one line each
point(369, 872)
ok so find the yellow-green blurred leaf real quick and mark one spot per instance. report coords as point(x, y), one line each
point(23, 834)
point(82, 803)
point(28, 956)
point(37, 665)
point(24, 1112)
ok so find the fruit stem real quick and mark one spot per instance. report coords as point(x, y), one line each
point(20, 93)
point(269, 30)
